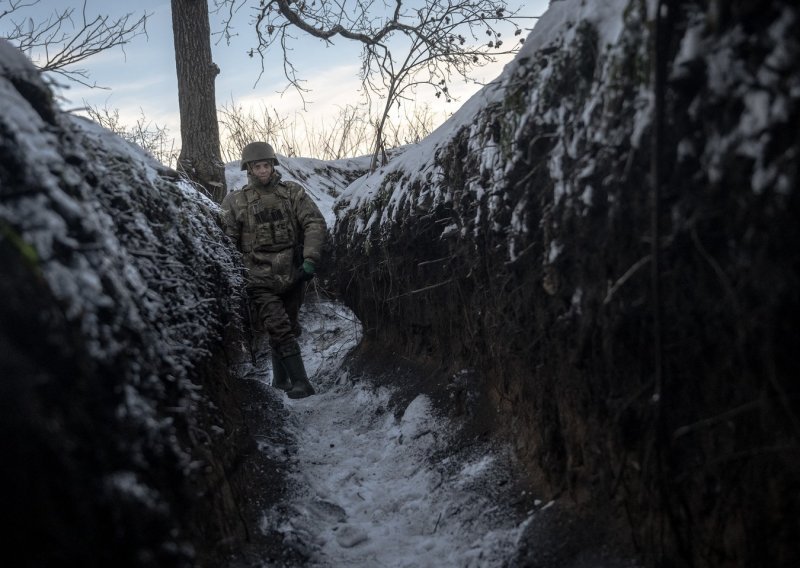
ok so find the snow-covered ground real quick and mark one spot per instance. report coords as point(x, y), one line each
point(376, 489)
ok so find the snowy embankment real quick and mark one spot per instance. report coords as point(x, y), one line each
point(608, 281)
point(416, 179)
point(119, 307)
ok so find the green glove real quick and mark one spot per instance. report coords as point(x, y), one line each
point(308, 270)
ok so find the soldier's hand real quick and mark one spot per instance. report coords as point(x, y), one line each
point(308, 270)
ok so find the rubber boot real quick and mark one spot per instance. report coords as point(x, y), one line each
point(294, 366)
point(280, 379)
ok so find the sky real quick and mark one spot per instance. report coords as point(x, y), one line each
point(141, 78)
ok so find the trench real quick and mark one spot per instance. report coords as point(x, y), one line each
point(381, 475)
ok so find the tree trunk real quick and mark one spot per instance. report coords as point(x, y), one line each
point(200, 157)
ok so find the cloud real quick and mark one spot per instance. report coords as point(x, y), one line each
point(327, 90)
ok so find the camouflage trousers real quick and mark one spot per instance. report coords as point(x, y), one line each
point(277, 314)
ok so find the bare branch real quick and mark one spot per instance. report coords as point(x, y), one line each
point(59, 42)
point(153, 138)
point(405, 47)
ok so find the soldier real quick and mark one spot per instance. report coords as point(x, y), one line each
point(279, 231)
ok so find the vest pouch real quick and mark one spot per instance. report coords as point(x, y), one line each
point(283, 234)
point(272, 236)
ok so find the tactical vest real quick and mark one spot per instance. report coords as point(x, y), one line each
point(265, 226)
point(270, 236)
point(269, 224)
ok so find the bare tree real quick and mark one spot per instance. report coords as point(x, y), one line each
point(411, 127)
point(404, 47)
point(346, 136)
point(240, 127)
point(200, 156)
point(343, 135)
point(65, 38)
point(151, 137)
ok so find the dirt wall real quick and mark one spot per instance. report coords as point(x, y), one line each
point(655, 382)
point(123, 433)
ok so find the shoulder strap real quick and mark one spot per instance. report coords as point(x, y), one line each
point(250, 194)
point(286, 188)
point(285, 193)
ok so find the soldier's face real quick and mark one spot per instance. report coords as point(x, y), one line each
point(262, 170)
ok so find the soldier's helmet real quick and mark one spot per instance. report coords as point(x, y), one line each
point(257, 151)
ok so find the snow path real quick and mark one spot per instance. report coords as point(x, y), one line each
point(371, 489)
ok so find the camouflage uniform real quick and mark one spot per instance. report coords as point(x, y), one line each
point(276, 226)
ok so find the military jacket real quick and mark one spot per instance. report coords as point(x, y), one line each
point(275, 226)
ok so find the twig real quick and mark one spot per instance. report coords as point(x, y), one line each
point(436, 526)
point(683, 430)
point(625, 277)
point(446, 258)
point(417, 291)
point(755, 452)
